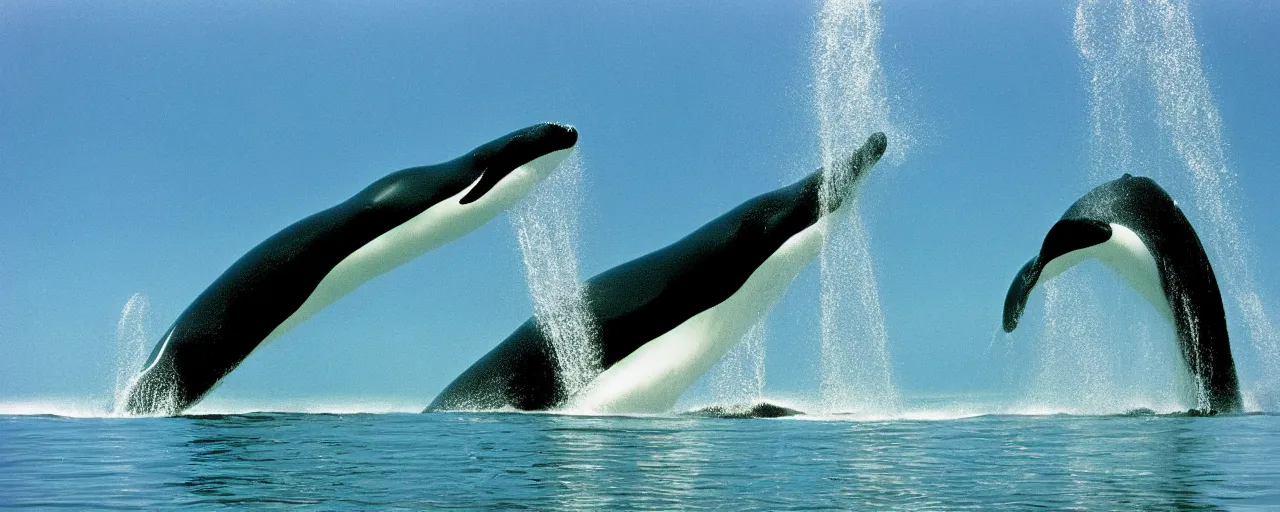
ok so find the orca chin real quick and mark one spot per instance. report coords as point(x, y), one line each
point(305, 267)
point(665, 318)
point(1133, 227)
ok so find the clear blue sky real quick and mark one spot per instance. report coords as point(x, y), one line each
point(145, 146)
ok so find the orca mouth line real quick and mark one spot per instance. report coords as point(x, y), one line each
point(500, 157)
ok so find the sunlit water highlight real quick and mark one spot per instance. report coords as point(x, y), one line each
point(546, 225)
point(1141, 57)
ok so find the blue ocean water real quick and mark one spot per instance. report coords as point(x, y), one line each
point(544, 461)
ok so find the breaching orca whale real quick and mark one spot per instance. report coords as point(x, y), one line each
point(1137, 230)
point(665, 318)
point(307, 266)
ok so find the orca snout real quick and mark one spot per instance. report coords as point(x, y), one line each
point(550, 137)
point(524, 145)
point(877, 143)
point(868, 155)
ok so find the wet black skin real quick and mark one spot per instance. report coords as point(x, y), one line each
point(760, 410)
point(266, 285)
point(1186, 276)
point(644, 298)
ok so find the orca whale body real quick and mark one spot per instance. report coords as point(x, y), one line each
point(307, 266)
point(745, 411)
point(1133, 227)
point(665, 318)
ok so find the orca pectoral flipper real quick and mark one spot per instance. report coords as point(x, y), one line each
point(1066, 237)
point(1016, 300)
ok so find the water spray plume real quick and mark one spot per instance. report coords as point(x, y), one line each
point(133, 333)
point(546, 225)
point(851, 102)
point(1136, 52)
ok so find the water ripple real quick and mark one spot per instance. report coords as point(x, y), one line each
point(415, 461)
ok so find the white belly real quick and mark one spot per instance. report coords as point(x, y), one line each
point(1125, 254)
point(652, 378)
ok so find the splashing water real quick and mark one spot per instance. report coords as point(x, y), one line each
point(851, 103)
point(739, 377)
point(1136, 53)
point(133, 332)
point(1084, 366)
point(546, 225)
point(1109, 61)
point(856, 369)
point(1072, 360)
point(850, 95)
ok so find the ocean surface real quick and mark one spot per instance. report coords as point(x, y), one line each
point(545, 461)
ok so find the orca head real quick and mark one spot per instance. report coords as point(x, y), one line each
point(498, 158)
point(1067, 236)
point(849, 173)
